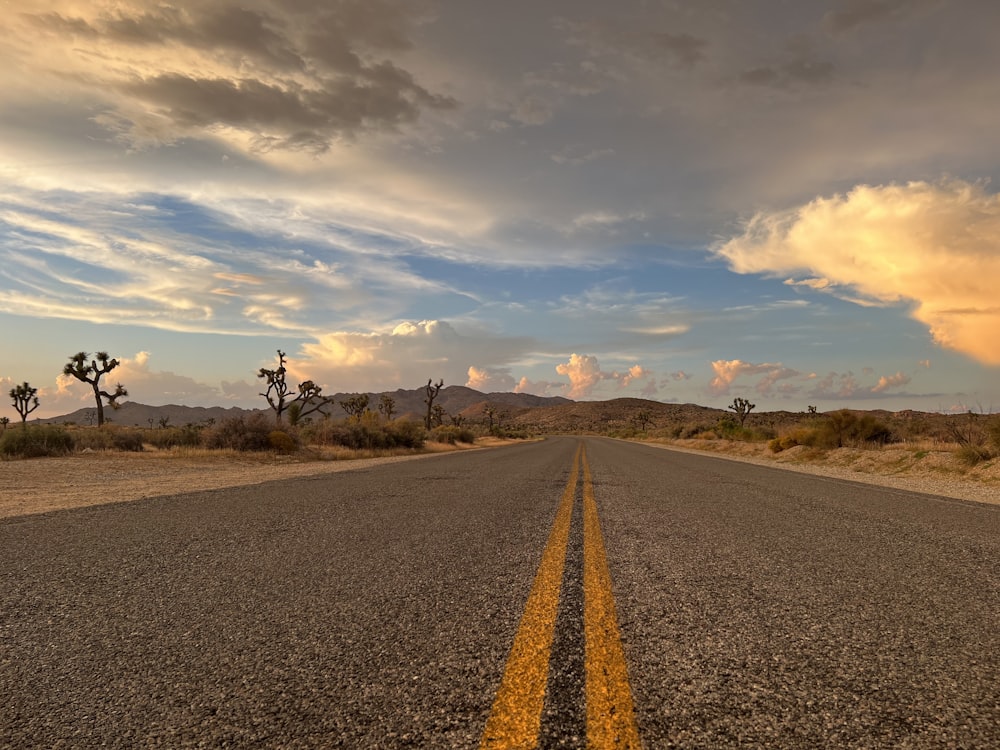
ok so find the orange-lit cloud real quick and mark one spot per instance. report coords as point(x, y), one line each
point(584, 373)
point(933, 246)
point(490, 381)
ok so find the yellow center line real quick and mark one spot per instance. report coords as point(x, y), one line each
point(610, 714)
point(516, 718)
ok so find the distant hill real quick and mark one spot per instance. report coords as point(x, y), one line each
point(454, 399)
point(544, 415)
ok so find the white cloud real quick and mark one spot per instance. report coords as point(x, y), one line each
point(890, 381)
point(934, 247)
point(403, 357)
point(490, 381)
point(727, 371)
point(585, 373)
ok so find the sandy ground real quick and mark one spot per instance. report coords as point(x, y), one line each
point(47, 484)
point(935, 471)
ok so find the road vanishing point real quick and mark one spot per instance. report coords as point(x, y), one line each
point(568, 593)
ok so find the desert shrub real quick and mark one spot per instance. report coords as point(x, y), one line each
point(36, 441)
point(406, 434)
point(693, 430)
point(845, 428)
point(451, 434)
point(92, 439)
point(282, 442)
point(993, 432)
point(240, 434)
point(188, 436)
point(126, 440)
point(972, 455)
point(366, 434)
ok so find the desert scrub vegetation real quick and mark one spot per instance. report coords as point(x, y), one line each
point(365, 432)
point(35, 441)
point(838, 429)
point(452, 434)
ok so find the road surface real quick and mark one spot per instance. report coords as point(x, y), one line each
point(659, 599)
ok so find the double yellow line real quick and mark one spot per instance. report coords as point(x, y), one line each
point(516, 718)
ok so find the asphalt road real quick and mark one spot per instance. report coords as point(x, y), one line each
point(377, 608)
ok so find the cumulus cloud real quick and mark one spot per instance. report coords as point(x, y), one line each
point(728, 370)
point(403, 357)
point(890, 381)
point(487, 381)
point(932, 246)
point(584, 373)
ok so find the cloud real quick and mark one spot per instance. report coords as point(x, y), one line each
point(496, 381)
point(403, 356)
point(851, 14)
point(728, 370)
point(932, 246)
point(296, 76)
point(584, 373)
point(540, 387)
point(890, 381)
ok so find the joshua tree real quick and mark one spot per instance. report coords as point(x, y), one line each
point(643, 418)
point(437, 415)
point(356, 405)
point(92, 374)
point(742, 407)
point(310, 396)
point(24, 399)
point(491, 414)
point(387, 406)
point(4, 421)
point(433, 389)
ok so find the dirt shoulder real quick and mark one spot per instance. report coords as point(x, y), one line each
point(935, 472)
point(45, 484)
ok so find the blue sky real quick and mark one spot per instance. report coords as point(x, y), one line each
point(794, 203)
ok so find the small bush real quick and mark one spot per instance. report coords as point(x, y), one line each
point(36, 441)
point(92, 439)
point(406, 434)
point(451, 434)
point(282, 442)
point(174, 437)
point(127, 440)
point(973, 455)
point(240, 434)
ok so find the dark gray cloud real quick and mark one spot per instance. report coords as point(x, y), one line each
point(851, 14)
point(611, 37)
point(301, 75)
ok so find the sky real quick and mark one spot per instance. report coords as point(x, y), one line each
point(791, 202)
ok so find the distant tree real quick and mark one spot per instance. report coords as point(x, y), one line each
point(457, 419)
point(387, 406)
point(491, 414)
point(643, 418)
point(437, 415)
point(25, 400)
point(356, 405)
point(4, 421)
point(742, 407)
point(92, 373)
point(811, 409)
point(164, 422)
point(433, 389)
point(309, 397)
